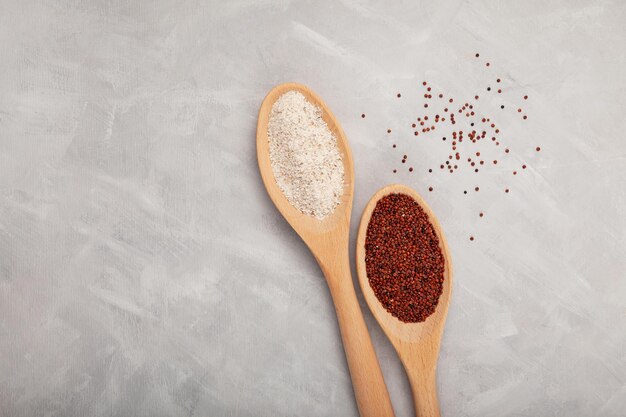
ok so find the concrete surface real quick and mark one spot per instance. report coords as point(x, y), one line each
point(144, 271)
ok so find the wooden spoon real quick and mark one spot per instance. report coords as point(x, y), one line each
point(417, 344)
point(328, 241)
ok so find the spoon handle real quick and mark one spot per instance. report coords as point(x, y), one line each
point(367, 379)
point(422, 373)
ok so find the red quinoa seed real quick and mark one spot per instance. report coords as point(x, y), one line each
point(403, 259)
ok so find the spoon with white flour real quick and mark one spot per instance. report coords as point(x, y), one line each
point(307, 169)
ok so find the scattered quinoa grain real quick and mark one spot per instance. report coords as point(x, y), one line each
point(471, 120)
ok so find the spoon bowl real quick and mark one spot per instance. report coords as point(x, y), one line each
point(311, 230)
point(417, 344)
point(328, 241)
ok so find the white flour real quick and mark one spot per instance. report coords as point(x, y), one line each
point(304, 156)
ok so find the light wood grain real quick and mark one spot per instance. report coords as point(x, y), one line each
point(328, 241)
point(417, 344)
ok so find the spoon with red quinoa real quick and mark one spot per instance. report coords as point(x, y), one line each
point(405, 272)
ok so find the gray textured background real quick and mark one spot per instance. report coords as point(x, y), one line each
point(144, 271)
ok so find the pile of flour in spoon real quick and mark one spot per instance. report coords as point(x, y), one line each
point(304, 156)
